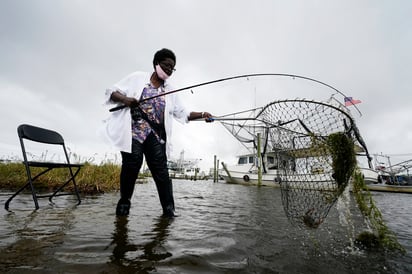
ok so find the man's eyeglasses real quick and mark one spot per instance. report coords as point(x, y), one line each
point(168, 65)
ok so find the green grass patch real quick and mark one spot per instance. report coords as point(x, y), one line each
point(91, 178)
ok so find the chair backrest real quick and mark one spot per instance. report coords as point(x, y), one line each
point(38, 134)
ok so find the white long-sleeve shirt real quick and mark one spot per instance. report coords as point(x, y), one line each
point(117, 128)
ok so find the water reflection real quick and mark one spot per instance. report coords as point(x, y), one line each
point(221, 229)
point(133, 257)
point(28, 237)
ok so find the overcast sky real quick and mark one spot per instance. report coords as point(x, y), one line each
point(58, 57)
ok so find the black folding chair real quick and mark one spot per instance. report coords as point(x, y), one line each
point(45, 137)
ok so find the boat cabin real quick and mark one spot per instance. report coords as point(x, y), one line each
point(271, 161)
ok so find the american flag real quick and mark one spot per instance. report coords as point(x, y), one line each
point(349, 101)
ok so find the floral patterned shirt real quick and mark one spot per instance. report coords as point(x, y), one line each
point(154, 110)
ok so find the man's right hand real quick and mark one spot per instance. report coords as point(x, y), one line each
point(130, 102)
point(127, 101)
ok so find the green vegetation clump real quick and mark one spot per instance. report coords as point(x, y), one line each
point(381, 235)
point(342, 150)
point(367, 240)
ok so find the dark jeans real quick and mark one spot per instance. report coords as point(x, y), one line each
point(156, 159)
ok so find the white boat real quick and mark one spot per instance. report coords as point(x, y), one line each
point(190, 173)
point(387, 182)
point(388, 177)
point(185, 168)
point(275, 168)
point(246, 170)
point(291, 136)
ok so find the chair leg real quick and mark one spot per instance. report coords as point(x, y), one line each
point(35, 196)
point(36, 204)
point(75, 186)
point(62, 186)
point(77, 192)
point(33, 193)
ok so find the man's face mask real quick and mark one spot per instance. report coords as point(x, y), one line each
point(160, 73)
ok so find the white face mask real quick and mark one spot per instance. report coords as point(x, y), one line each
point(160, 73)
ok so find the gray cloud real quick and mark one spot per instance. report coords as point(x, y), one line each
point(57, 58)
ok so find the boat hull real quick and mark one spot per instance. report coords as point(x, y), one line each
point(390, 188)
point(302, 181)
point(250, 179)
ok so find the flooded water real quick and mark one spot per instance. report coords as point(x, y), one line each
point(222, 228)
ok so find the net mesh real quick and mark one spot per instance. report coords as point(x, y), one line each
point(314, 146)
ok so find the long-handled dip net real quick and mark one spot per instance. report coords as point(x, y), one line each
point(313, 141)
point(314, 146)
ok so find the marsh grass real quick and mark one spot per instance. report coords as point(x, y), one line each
point(90, 180)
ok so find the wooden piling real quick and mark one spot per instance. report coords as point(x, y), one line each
point(259, 155)
point(214, 170)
